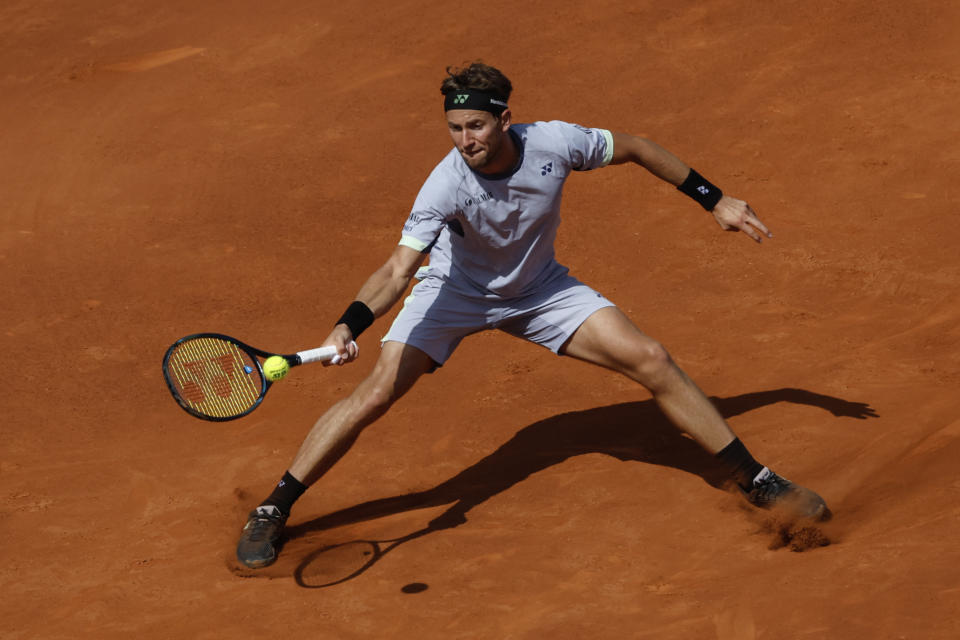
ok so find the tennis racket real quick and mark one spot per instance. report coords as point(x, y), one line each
point(216, 377)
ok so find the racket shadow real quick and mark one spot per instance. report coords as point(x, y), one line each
point(337, 563)
point(633, 431)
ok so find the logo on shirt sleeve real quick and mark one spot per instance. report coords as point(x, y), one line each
point(415, 218)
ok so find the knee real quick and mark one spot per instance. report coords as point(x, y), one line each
point(652, 364)
point(375, 398)
point(392, 377)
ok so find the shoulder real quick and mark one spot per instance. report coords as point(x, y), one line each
point(449, 172)
point(555, 134)
point(582, 147)
point(553, 128)
point(451, 168)
point(541, 130)
point(440, 189)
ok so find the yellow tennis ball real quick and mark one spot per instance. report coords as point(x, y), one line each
point(275, 368)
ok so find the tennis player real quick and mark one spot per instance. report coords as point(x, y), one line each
point(487, 217)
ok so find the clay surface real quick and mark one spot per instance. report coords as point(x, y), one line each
point(242, 167)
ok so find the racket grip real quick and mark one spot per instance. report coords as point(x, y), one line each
point(317, 355)
point(321, 354)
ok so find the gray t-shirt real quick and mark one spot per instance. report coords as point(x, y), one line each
point(492, 236)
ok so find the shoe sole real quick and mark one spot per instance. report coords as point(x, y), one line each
point(259, 563)
point(256, 564)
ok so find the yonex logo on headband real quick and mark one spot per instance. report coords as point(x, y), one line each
point(474, 100)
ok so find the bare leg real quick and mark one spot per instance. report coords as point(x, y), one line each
point(397, 369)
point(608, 338)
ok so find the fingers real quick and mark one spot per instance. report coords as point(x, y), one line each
point(739, 216)
point(347, 349)
point(353, 351)
point(348, 353)
point(757, 227)
point(746, 227)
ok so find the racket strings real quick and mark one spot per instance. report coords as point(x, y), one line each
point(214, 377)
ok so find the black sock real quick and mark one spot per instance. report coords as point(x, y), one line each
point(740, 463)
point(286, 493)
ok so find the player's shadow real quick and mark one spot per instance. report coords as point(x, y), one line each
point(635, 431)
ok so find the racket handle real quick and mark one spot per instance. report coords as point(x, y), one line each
point(321, 354)
point(317, 355)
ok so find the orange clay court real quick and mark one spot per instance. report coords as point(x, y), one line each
point(241, 167)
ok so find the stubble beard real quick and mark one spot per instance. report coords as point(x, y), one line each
point(482, 159)
point(477, 161)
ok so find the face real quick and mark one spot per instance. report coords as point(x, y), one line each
point(479, 137)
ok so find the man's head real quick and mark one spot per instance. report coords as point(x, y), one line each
point(475, 101)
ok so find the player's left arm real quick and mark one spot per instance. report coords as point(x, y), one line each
point(730, 213)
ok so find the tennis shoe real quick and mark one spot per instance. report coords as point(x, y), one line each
point(258, 546)
point(770, 491)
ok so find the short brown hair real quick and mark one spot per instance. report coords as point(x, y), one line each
point(479, 77)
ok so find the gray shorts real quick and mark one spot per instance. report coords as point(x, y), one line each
point(435, 319)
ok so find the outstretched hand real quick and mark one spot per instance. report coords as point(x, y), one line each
point(736, 215)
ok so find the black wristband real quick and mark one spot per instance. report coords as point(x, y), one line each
point(700, 189)
point(357, 317)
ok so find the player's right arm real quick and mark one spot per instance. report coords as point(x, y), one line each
point(420, 231)
point(380, 292)
point(388, 283)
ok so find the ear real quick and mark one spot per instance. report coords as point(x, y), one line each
point(505, 119)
